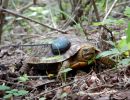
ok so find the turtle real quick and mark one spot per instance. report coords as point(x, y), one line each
point(66, 50)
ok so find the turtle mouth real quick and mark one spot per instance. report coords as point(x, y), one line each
point(89, 55)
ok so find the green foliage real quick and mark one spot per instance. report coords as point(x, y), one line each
point(8, 96)
point(101, 5)
point(128, 33)
point(125, 62)
point(15, 92)
point(63, 73)
point(38, 12)
point(42, 98)
point(23, 78)
point(110, 21)
point(127, 11)
point(120, 51)
point(4, 87)
point(65, 70)
point(123, 44)
point(12, 92)
point(108, 53)
point(63, 95)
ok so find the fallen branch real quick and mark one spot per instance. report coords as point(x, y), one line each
point(19, 15)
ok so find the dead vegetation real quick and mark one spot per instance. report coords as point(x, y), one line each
point(30, 23)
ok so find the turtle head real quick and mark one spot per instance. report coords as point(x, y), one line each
point(88, 52)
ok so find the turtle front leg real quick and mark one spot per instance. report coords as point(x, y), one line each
point(24, 68)
point(78, 65)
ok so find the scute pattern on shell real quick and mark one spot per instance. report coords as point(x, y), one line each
point(45, 55)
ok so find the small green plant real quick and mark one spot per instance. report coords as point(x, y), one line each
point(63, 72)
point(42, 98)
point(8, 92)
point(23, 78)
point(121, 52)
point(127, 11)
point(4, 88)
point(63, 95)
point(15, 92)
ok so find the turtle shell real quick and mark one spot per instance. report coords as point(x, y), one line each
point(44, 55)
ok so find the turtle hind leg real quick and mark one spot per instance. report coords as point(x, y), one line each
point(25, 68)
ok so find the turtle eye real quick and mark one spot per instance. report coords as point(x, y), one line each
point(85, 50)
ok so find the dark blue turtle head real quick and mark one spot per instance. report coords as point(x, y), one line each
point(60, 45)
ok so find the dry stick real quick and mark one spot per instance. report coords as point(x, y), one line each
point(21, 10)
point(72, 83)
point(60, 86)
point(2, 16)
point(122, 3)
point(73, 15)
point(25, 7)
point(112, 36)
point(18, 84)
point(114, 3)
point(95, 10)
point(106, 8)
point(19, 15)
point(54, 89)
point(3, 4)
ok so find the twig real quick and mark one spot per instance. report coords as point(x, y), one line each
point(19, 15)
point(21, 10)
point(37, 77)
point(95, 10)
point(54, 89)
point(25, 7)
point(114, 3)
point(86, 76)
point(4, 4)
point(122, 3)
point(112, 37)
point(106, 8)
point(18, 84)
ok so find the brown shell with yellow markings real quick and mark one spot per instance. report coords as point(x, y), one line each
point(43, 54)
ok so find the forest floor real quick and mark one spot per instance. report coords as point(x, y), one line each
point(104, 84)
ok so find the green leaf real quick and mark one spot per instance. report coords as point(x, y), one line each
point(14, 90)
point(3, 87)
point(127, 11)
point(108, 53)
point(7, 96)
point(42, 98)
point(122, 43)
point(91, 60)
point(128, 33)
point(65, 70)
point(97, 23)
point(37, 9)
point(124, 61)
point(23, 78)
point(64, 95)
point(9, 92)
point(124, 49)
point(16, 94)
point(22, 92)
